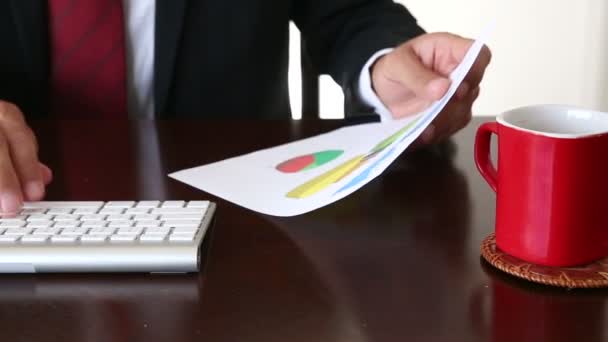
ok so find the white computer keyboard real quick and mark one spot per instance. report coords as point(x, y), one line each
point(121, 236)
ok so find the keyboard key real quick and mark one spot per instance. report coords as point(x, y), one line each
point(121, 224)
point(173, 204)
point(102, 231)
point(67, 224)
point(34, 239)
point(181, 237)
point(96, 223)
point(198, 204)
point(63, 239)
point(17, 231)
point(119, 204)
point(94, 226)
point(130, 231)
point(123, 238)
point(178, 211)
point(148, 223)
point(157, 230)
point(74, 231)
point(65, 204)
point(173, 217)
point(152, 238)
point(12, 223)
point(137, 211)
point(111, 211)
point(185, 230)
point(40, 217)
point(13, 218)
point(147, 204)
point(40, 224)
point(145, 217)
point(8, 238)
point(46, 231)
point(93, 238)
point(93, 217)
point(59, 211)
point(118, 217)
point(182, 223)
point(69, 217)
point(85, 211)
point(32, 211)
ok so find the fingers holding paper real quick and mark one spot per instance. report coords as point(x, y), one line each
point(416, 74)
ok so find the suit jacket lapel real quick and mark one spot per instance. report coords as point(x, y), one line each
point(32, 26)
point(169, 20)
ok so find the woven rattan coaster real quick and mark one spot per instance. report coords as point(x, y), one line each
point(593, 275)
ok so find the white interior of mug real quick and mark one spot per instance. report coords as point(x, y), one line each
point(556, 121)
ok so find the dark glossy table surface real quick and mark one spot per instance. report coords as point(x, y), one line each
point(396, 261)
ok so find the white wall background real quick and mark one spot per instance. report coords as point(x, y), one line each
point(544, 51)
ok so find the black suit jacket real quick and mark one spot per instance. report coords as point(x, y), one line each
point(218, 58)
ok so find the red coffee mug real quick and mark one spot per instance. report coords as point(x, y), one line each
point(551, 184)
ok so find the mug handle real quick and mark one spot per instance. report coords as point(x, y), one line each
point(482, 153)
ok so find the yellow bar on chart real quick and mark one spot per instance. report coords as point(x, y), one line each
point(323, 181)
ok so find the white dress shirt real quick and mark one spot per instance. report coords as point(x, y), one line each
point(140, 23)
point(140, 26)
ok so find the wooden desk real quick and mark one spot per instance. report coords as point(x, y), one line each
point(396, 261)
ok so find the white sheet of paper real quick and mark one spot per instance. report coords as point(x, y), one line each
point(308, 174)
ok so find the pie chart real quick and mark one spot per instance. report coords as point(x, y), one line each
point(308, 161)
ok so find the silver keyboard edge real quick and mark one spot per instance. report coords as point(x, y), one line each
point(209, 215)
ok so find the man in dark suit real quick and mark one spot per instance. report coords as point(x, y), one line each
point(205, 58)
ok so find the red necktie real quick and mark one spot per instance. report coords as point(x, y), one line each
point(88, 63)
